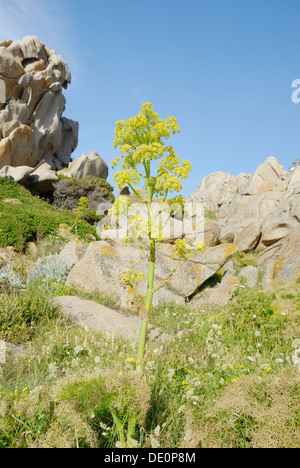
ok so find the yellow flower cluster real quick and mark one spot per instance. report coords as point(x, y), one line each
point(185, 251)
point(141, 140)
point(126, 177)
point(131, 277)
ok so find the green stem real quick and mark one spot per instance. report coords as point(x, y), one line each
point(142, 345)
point(119, 426)
point(131, 430)
point(151, 271)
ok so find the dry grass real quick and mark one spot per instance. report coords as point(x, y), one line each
point(257, 414)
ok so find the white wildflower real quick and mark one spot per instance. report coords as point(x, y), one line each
point(154, 442)
point(251, 358)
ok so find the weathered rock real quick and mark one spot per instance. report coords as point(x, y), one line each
point(99, 318)
point(216, 295)
point(279, 229)
point(255, 210)
point(69, 141)
point(88, 165)
point(32, 118)
point(249, 237)
point(282, 260)
point(268, 176)
point(19, 174)
point(42, 182)
point(212, 188)
point(102, 264)
point(250, 275)
point(294, 182)
point(10, 67)
point(73, 252)
point(210, 234)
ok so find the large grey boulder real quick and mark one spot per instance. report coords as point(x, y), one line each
point(19, 174)
point(249, 237)
point(41, 182)
point(282, 260)
point(73, 252)
point(277, 230)
point(103, 262)
point(96, 317)
point(88, 165)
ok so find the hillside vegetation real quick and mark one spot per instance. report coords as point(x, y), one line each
point(25, 217)
point(229, 377)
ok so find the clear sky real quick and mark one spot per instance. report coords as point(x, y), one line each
point(223, 68)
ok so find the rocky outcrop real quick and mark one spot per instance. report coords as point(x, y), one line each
point(253, 211)
point(33, 132)
point(31, 124)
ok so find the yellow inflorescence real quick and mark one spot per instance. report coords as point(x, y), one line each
point(140, 140)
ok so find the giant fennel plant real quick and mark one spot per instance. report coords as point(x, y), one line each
point(146, 161)
point(154, 173)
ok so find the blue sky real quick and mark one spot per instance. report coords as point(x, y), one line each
point(223, 68)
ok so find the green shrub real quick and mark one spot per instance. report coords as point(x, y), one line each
point(25, 217)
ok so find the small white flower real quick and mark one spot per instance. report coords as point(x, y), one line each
point(157, 431)
point(257, 333)
point(279, 360)
point(119, 445)
point(251, 358)
point(78, 350)
point(154, 442)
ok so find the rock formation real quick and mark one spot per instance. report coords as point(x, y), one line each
point(254, 211)
point(36, 141)
point(32, 128)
